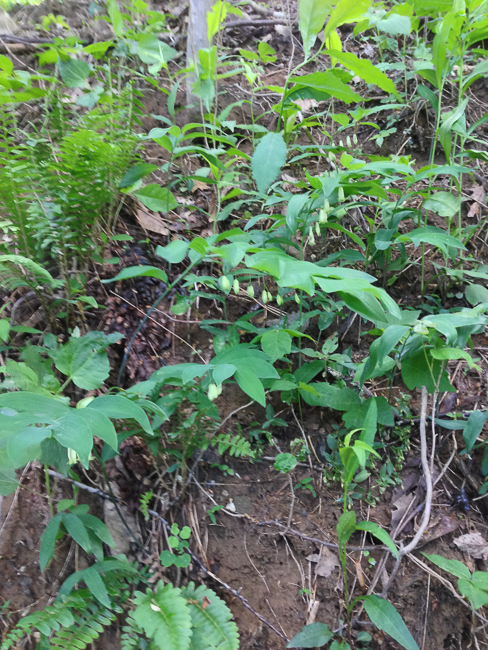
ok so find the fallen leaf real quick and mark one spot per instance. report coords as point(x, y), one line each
point(327, 561)
point(206, 602)
point(439, 526)
point(151, 221)
point(479, 195)
point(199, 185)
point(402, 505)
point(473, 544)
point(306, 104)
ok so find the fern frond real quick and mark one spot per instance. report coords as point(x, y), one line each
point(210, 616)
point(164, 617)
point(236, 446)
point(86, 627)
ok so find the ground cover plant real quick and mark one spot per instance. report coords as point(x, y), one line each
point(284, 282)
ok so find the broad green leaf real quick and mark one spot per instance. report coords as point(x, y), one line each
point(432, 235)
point(25, 446)
point(445, 204)
point(75, 528)
point(285, 463)
point(328, 82)
point(120, 408)
point(311, 17)
point(340, 399)
point(380, 348)
point(453, 567)
point(480, 579)
point(222, 372)
point(378, 532)
point(157, 198)
point(99, 425)
point(345, 11)
point(48, 541)
point(476, 596)
point(364, 69)
point(386, 618)
point(476, 293)
point(314, 635)
point(251, 385)
point(74, 72)
point(84, 360)
point(136, 173)
point(115, 17)
point(276, 344)
point(4, 329)
point(153, 51)
point(268, 159)
point(74, 433)
point(454, 353)
point(294, 209)
point(395, 25)
point(8, 481)
point(416, 372)
point(96, 586)
point(346, 527)
point(448, 121)
point(38, 405)
point(139, 272)
point(474, 426)
point(174, 252)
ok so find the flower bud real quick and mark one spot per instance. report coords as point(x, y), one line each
point(311, 238)
point(270, 297)
point(214, 391)
point(264, 298)
point(279, 300)
point(355, 139)
point(348, 141)
point(236, 287)
point(326, 205)
point(323, 216)
point(341, 143)
point(317, 229)
point(224, 283)
point(340, 194)
point(297, 298)
point(250, 291)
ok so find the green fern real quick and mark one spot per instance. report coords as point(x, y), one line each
point(236, 446)
point(164, 617)
point(210, 617)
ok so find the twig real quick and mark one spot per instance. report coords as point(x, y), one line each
point(257, 23)
point(303, 434)
point(428, 496)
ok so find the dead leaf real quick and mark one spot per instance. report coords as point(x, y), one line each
point(402, 505)
point(199, 185)
point(206, 602)
point(306, 104)
point(151, 221)
point(473, 544)
point(439, 526)
point(479, 195)
point(327, 561)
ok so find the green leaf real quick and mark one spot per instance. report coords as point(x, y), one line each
point(74, 72)
point(444, 204)
point(453, 567)
point(39, 405)
point(395, 25)
point(84, 360)
point(328, 82)
point(476, 293)
point(284, 463)
point(476, 596)
point(153, 51)
point(341, 399)
point(139, 272)
point(96, 586)
point(474, 426)
point(380, 533)
point(276, 344)
point(416, 372)
point(48, 541)
point(386, 618)
point(8, 481)
point(115, 17)
point(380, 348)
point(312, 15)
point(157, 198)
point(314, 635)
point(268, 159)
point(448, 121)
point(4, 329)
point(453, 354)
point(251, 385)
point(73, 432)
point(120, 408)
point(364, 69)
point(174, 252)
point(346, 527)
point(345, 11)
point(75, 528)
point(164, 617)
point(136, 173)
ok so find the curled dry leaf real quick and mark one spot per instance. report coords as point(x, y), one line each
point(326, 561)
point(473, 544)
point(479, 195)
point(151, 221)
